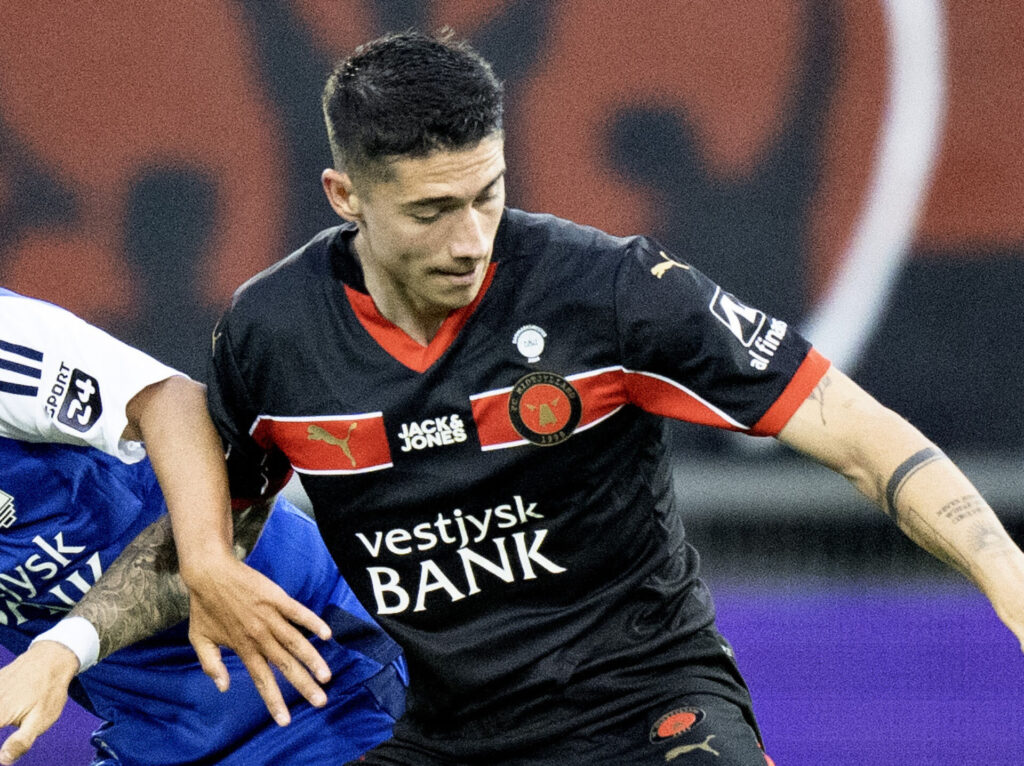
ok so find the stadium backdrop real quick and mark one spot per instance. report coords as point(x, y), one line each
point(852, 166)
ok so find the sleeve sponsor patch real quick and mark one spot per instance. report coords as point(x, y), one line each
point(742, 320)
point(749, 326)
point(82, 406)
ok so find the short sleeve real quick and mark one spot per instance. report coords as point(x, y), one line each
point(695, 352)
point(254, 470)
point(65, 380)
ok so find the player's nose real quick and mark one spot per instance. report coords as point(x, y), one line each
point(470, 237)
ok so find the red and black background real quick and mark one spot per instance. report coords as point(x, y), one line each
point(154, 155)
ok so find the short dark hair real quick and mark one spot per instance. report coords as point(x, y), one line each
point(408, 94)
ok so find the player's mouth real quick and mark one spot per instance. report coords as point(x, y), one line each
point(459, 277)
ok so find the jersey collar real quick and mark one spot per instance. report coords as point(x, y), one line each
point(388, 335)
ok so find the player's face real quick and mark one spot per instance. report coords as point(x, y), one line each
point(426, 234)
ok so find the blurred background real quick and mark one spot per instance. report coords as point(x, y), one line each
point(855, 167)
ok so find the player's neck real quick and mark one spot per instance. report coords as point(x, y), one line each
point(419, 323)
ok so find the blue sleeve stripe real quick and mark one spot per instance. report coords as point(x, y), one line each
point(31, 372)
point(17, 389)
point(25, 351)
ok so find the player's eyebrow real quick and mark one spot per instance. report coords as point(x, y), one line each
point(449, 199)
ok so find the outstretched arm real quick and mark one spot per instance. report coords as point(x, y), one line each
point(231, 604)
point(928, 497)
point(140, 594)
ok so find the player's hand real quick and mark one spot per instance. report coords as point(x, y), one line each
point(233, 605)
point(1003, 584)
point(33, 691)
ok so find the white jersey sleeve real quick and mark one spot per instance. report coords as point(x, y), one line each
point(64, 380)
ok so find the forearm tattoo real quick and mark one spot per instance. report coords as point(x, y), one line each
point(818, 395)
point(907, 468)
point(961, 508)
point(141, 593)
point(985, 537)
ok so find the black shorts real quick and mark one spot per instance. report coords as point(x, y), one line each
point(697, 729)
point(708, 722)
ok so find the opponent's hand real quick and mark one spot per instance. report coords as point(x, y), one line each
point(33, 691)
point(233, 605)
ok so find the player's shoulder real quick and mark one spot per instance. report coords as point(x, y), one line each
point(559, 243)
point(533, 232)
point(12, 303)
point(22, 316)
point(287, 284)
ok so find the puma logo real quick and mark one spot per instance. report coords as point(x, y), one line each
point(675, 752)
point(660, 269)
point(318, 434)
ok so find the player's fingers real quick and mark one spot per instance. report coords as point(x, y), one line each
point(293, 670)
point(267, 687)
point(210, 660)
point(17, 744)
point(304, 617)
point(299, 647)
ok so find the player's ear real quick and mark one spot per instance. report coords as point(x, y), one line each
point(341, 194)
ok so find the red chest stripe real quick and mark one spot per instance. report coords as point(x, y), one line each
point(600, 393)
point(327, 444)
point(603, 392)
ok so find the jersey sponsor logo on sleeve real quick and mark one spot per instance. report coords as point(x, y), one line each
point(214, 337)
point(749, 326)
point(82, 405)
point(7, 515)
point(19, 367)
point(764, 346)
point(667, 263)
point(327, 444)
point(742, 320)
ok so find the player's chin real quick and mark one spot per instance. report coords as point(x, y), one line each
point(456, 294)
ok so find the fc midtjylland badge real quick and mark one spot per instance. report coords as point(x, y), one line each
point(544, 408)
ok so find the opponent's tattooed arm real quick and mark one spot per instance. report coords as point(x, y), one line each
point(141, 593)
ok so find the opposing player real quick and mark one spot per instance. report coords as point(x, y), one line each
point(474, 398)
point(76, 491)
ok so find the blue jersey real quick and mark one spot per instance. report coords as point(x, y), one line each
point(73, 494)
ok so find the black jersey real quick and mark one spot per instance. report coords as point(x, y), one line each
point(500, 500)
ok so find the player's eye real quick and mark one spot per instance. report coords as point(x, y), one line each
point(426, 217)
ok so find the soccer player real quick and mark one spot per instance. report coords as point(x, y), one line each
point(474, 397)
point(76, 490)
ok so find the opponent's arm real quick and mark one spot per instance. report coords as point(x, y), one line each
point(140, 594)
point(230, 603)
point(893, 464)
